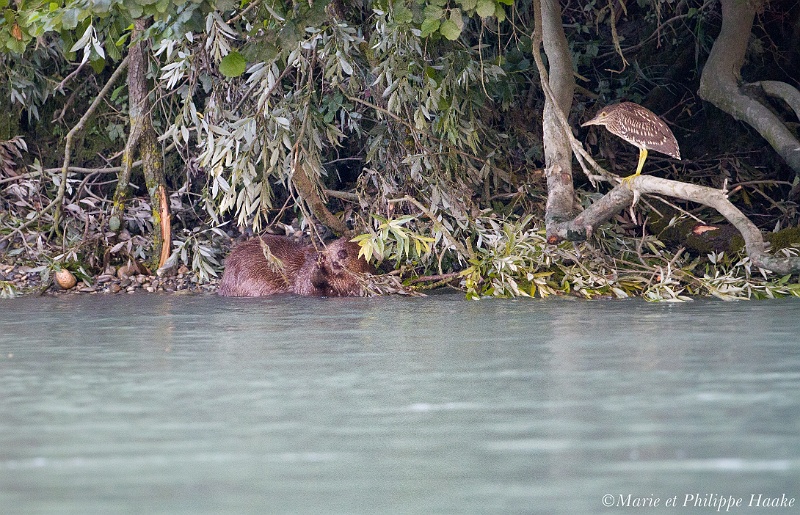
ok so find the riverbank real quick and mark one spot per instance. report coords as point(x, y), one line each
point(26, 280)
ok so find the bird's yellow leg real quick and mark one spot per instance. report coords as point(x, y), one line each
point(642, 158)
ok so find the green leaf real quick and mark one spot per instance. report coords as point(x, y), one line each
point(485, 8)
point(429, 26)
point(69, 19)
point(450, 30)
point(346, 66)
point(403, 15)
point(97, 65)
point(457, 18)
point(468, 5)
point(264, 51)
point(135, 10)
point(101, 7)
point(289, 35)
point(16, 46)
point(232, 65)
point(433, 12)
point(500, 13)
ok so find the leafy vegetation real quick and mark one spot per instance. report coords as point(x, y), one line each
point(415, 123)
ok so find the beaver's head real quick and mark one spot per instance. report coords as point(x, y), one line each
point(341, 256)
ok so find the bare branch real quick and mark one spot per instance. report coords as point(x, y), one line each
point(719, 82)
point(782, 90)
point(78, 169)
point(58, 201)
point(577, 147)
point(582, 226)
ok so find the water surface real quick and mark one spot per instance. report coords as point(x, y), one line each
point(200, 404)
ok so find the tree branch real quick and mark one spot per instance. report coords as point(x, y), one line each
point(719, 82)
point(58, 201)
point(556, 117)
point(582, 226)
point(784, 91)
point(78, 169)
point(305, 185)
point(560, 85)
point(577, 147)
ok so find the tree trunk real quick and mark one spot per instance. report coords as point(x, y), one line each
point(557, 150)
point(308, 192)
point(142, 136)
point(557, 134)
point(719, 82)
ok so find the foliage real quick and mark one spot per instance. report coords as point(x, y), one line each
point(86, 244)
point(514, 259)
point(418, 121)
point(7, 290)
point(393, 240)
point(730, 278)
point(322, 92)
point(80, 24)
point(199, 251)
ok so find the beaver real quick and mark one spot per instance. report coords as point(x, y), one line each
point(336, 272)
point(276, 264)
point(249, 273)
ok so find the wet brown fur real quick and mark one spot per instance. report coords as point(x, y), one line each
point(331, 272)
point(337, 271)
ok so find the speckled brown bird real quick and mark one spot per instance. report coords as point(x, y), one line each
point(640, 127)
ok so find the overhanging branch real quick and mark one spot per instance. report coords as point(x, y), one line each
point(582, 226)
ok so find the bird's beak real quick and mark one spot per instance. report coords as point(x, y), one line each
point(593, 121)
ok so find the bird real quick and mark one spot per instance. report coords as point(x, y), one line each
point(640, 127)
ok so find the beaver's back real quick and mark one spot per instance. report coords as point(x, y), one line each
point(248, 273)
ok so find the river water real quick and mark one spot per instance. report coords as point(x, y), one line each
point(201, 404)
